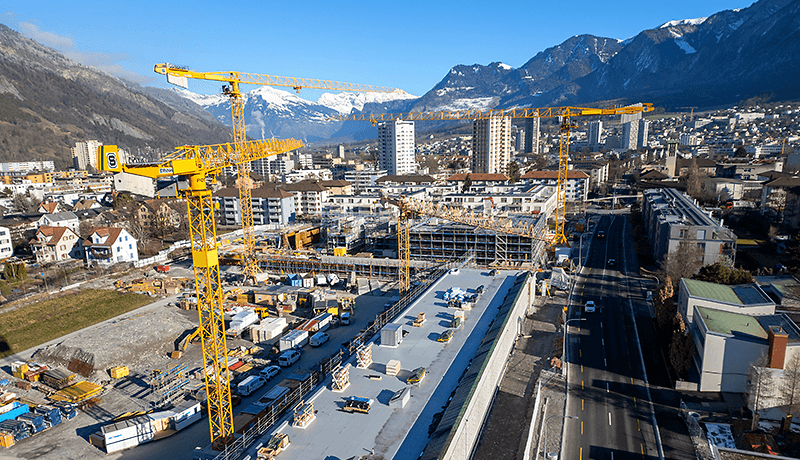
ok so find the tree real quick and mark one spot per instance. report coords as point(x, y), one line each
point(721, 274)
point(513, 172)
point(122, 200)
point(790, 390)
point(467, 184)
point(26, 204)
point(740, 152)
point(681, 349)
point(695, 180)
point(759, 385)
point(665, 306)
point(684, 261)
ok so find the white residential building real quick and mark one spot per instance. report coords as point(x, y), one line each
point(491, 145)
point(109, 245)
point(6, 247)
point(54, 244)
point(396, 147)
point(60, 219)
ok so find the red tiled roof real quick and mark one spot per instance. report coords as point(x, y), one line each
point(554, 175)
point(53, 234)
point(477, 177)
point(110, 233)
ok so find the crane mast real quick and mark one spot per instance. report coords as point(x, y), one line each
point(197, 164)
point(179, 76)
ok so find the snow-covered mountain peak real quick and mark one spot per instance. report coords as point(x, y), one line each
point(345, 102)
point(683, 22)
point(203, 100)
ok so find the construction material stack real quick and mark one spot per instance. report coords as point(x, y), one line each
point(364, 356)
point(340, 378)
point(303, 414)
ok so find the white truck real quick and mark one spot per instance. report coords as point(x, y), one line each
point(247, 386)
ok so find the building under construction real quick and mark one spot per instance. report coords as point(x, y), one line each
point(440, 240)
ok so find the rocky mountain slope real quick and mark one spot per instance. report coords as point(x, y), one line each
point(48, 102)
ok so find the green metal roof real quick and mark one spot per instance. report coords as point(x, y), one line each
point(711, 291)
point(736, 324)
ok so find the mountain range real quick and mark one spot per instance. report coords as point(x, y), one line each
point(47, 102)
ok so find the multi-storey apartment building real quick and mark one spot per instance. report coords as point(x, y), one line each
point(671, 217)
point(491, 145)
point(396, 147)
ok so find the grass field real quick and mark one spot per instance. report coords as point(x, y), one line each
point(47, 320)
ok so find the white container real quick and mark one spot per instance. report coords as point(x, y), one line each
point(323, 321)
point(294, 339)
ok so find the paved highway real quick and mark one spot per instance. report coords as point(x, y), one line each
point(608, 399)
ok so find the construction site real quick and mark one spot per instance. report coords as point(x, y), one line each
point(262, 340)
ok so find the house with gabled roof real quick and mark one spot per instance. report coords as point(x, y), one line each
point(61, 219)
point(50, 207)
point(110, 245)
point(54, 244)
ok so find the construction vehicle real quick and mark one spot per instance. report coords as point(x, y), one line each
point(185, 341)
point(179, 76)
point(196, 166)
point(460, 215)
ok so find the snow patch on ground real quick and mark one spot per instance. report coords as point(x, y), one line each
point(345, 102)
point(686, 47)
point(504, 66)
point(469, 104)
point(720, 435)
point(203, 100)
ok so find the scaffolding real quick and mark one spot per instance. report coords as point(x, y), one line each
point(342, 266)
point(450, 242)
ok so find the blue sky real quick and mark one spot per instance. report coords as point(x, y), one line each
point(410, 44)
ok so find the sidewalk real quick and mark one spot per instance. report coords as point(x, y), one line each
point(505, 433)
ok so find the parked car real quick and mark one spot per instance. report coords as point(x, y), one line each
point(601, 234)
point(269, 372)
point(612, 263)
point(446, 336)
point(589, 308)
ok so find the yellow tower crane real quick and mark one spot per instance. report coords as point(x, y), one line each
point(198, 164)
point(564, 113)
point(179, 76)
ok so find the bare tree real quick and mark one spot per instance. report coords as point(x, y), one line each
point(790, 390)
point(759, 385)
point(695, 179)
point(684, 261)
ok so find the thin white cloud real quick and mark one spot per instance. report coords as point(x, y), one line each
point(58, 42)
point(106, 62)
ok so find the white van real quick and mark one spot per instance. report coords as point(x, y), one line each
point(318, 339)
point(288, 358)
point(250, 384)
point(344, 318)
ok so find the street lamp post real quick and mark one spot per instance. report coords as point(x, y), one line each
point(566, 325)
point(544, 451)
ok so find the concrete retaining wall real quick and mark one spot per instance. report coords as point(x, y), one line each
point(469, 425)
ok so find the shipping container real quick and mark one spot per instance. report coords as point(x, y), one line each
point(294, 339)
point(127, 433)
point(12, 411)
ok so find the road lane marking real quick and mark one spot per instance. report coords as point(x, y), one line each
point(581, 426)
point(581, 367)
point(581, 384)
point(642, 446)
point(582, 401)
point(580, 353)
point(609, 419)
point(604, 341)
point(634, 402)
point(606, 387)
point(604, 361)
point(638, 425)
point(581, 454)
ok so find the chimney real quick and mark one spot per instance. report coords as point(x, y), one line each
point(778, 339)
